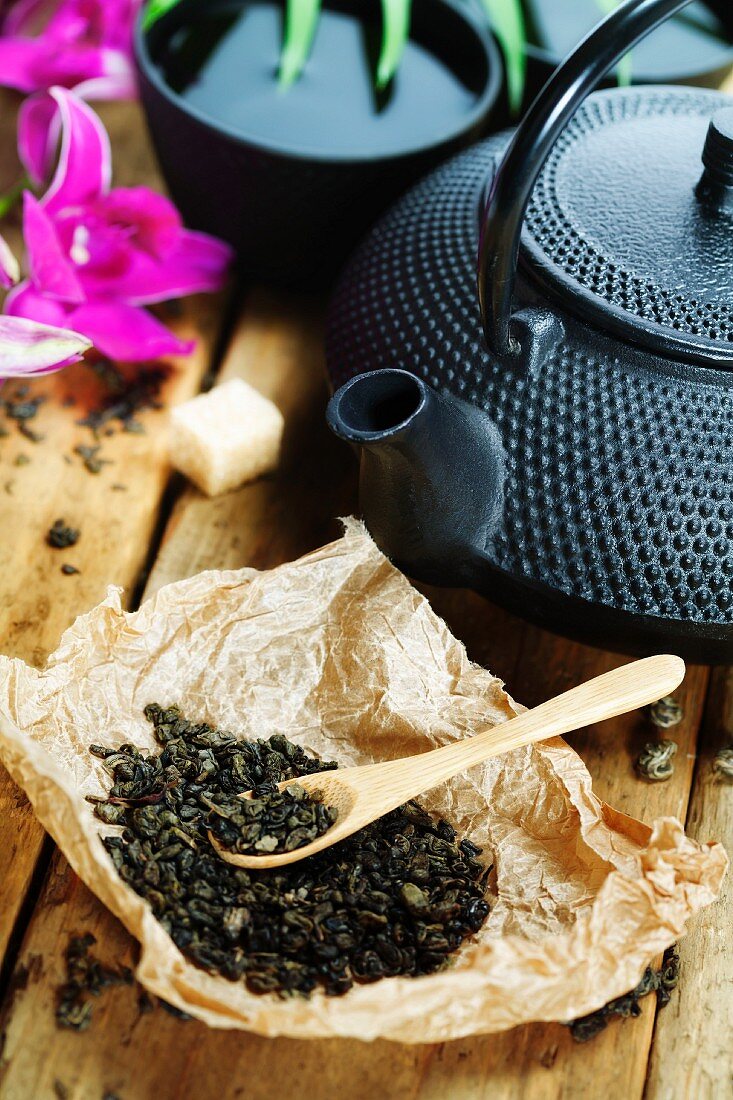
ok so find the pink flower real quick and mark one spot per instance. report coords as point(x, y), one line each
point(9, 267)
point(83, 44)
point(95, 254)
point(29, 348)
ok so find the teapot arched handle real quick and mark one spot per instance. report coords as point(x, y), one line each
point(546, 119)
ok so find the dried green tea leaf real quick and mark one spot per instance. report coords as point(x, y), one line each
point(665, 713)
point(662, 982)
point(656, 760)
point(723, 762)
point(86, 977)
point(396, 898)
point(60, 536)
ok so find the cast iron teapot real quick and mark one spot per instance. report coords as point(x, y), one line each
point(562, 440)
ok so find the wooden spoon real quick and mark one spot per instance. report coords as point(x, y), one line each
point(361, 795)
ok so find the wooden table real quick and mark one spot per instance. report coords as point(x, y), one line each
point(157, 530)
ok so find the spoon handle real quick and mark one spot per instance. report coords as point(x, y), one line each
point(617, 692)
point(361, 795)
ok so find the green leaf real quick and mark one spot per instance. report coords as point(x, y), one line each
point(11, 197)
point(507, 23)
point(395, 32)
point(624, 69)
point(301, 20)
point(154, 9)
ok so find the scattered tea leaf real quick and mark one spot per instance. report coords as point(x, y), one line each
point(176, 1013)
point(661, 982)
point(125, 396)
point(723, 762)
point(60, 536)
point(656, 760)
point(86, 977)
point(665, 713)
point(29, 433)
point(22, 410)
point(91, 459)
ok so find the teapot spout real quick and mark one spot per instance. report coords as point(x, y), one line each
point(431, 480)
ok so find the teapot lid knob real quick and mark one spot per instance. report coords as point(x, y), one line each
point(716, 186)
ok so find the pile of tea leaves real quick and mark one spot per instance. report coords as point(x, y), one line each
point(397, 898)
point(271, 821)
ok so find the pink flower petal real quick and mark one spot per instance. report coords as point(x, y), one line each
point(24, 16)
point(198, 264)
point(70, 42)
point(126, 333)
point(27, 347)
point(85, 161)
point(19, 62)
point(9, 269)
point(101, 22)
point(121, 84)
point(155, 220)
point(25, 301)
point(39, 127)
point(51, 270)
point(34, 64)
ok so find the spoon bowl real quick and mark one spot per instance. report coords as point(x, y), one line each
point(364, 794)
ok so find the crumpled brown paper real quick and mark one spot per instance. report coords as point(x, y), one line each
point(339, 652)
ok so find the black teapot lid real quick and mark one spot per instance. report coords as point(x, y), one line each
point(623, 204)
point(630, 223)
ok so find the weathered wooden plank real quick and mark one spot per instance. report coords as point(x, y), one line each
point(37, 602)
point(278, 349)
point(692, 1054)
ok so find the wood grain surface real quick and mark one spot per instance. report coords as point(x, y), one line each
point(135, 1050)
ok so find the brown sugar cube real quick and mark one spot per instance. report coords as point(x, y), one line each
point(226, 437)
